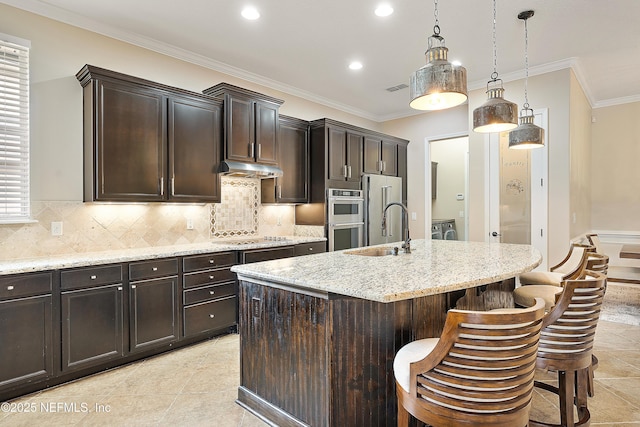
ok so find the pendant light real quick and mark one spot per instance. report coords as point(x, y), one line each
point(496, 114)
point(527, 135)
point(439, 84)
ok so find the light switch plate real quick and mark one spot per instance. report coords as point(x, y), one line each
point(56, 228)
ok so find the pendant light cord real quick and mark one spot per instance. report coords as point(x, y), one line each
point(526, 66)
point(436, 27)
point(494, 75)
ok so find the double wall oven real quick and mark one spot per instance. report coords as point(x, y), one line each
point(345, 219)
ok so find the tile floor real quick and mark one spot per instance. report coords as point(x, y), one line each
point(196, 386)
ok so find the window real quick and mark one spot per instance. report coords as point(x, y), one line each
point(14, 129)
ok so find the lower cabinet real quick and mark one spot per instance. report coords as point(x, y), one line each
point(209, 293)
point(26, 329)
point(153, 303)
point(92, 312)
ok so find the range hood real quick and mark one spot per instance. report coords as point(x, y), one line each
point(249, 170)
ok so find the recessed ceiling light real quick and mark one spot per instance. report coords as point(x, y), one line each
point(355, 65)
point(250, 13)
point(456, 63)
point(384, 10)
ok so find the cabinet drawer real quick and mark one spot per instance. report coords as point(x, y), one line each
point(207, 277)
point(207, 293)
point(309, 248)
point(208, 316)
point(202, 262)
point(258, 255)
point(155, 268)
point(22, 285)
point(72, 279)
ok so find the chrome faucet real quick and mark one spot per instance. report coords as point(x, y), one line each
point(407, 241)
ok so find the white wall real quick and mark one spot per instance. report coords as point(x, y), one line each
point(450, 154)
point(419, 129)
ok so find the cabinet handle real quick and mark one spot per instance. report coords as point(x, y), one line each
point(154, 269)
point(211, 316)
point(10, 288)
point(310, 249)
point(384, 166)
point(349, 171)
point(251, 149)
point(344, 171)
point(279, 191)
point(173, 185)
point(119, 288)
point(162, 186)
point(93, 277)
point(212, 292)
point(259, 150)
point(211, 277)
point(211, 261)
point(133, 286)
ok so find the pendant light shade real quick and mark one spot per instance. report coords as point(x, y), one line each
point(527, 135)
point(496, 114)
point(439, 84)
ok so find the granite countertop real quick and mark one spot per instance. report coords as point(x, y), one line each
point(126, 255)
point(433, 267)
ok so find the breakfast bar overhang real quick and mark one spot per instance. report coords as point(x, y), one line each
point(318, 334)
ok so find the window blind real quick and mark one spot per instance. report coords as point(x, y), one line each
point(14, 130)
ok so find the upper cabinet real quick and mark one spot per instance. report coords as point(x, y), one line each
point(380, 156)
point(250, 124)
point(145, 142)
point(293, 152)
point(340, 153)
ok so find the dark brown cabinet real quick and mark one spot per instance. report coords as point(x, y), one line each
point(26, 329)
point(293, 152)
point(147, 142)
point(309, 248)
point(195, 137)
point(92, 312)
point(340, 153)
point(258, 255)
point(209, 293)
point(380, 156)
point(153, 303)
point(250, 124)
point(344, 157)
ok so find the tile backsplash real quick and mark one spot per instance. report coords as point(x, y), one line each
point(89, 227)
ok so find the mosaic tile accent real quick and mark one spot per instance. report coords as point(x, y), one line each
point(237, 214)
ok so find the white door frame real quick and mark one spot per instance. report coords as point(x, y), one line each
point(539, 188)
point(427, 182)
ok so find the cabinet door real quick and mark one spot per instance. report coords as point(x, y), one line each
point(402, 170)
point(239, 128)
point(153, 316)
point(130, 143)
point(92, 328)
point(266, 128)
point(389, 157)
point(371, 155)
point(293, 149)
point(26, 352)
point(195, 128)
point(354, 157)
point(337, 161)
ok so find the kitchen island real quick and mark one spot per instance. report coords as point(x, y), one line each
point(318, 334)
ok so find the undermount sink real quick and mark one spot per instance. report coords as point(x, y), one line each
point(376, 251)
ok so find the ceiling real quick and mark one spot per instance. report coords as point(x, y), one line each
point(303, 47)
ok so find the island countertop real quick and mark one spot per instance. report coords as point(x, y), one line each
point(432, 267)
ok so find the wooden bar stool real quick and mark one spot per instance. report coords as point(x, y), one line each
point(566, 344)
point(478, 373)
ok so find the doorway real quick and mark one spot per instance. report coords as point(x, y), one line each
point(517, 194)
point(447, 187)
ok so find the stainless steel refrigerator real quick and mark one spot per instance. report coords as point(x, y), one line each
point(380, 190)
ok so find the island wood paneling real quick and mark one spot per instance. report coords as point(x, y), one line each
point(308, 360)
